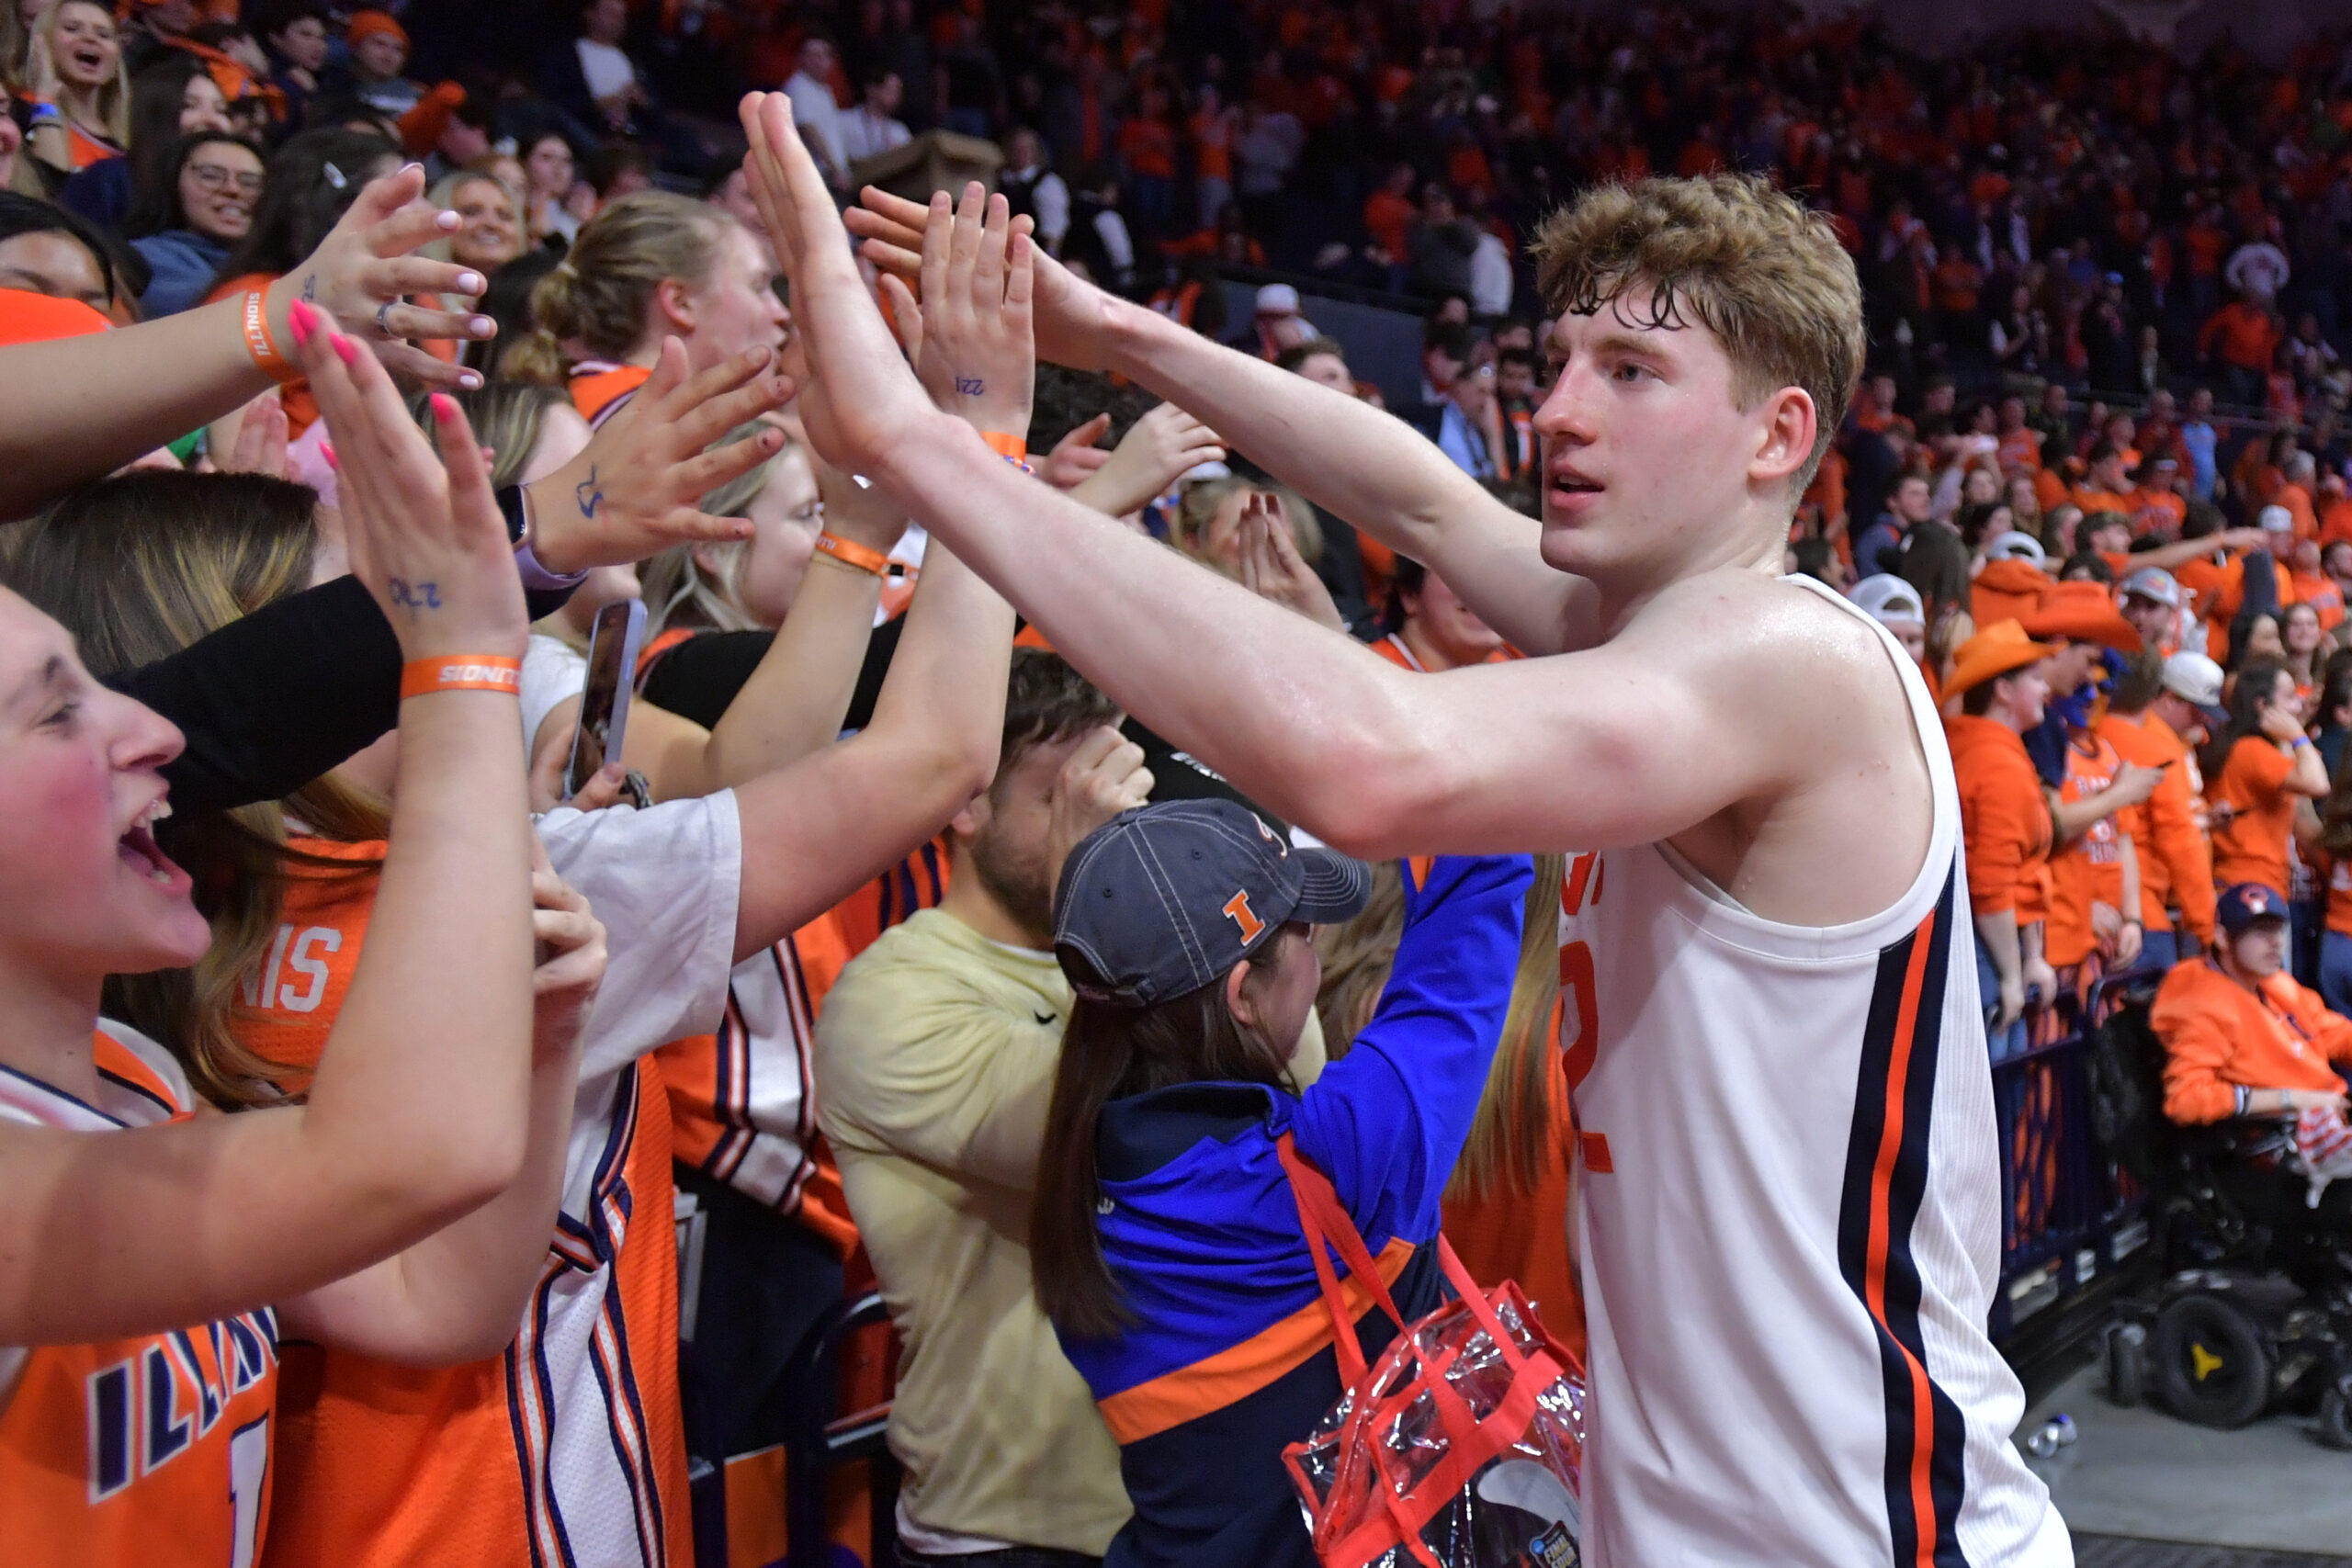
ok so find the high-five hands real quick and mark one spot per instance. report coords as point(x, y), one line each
point(1071, 316)
point(1272, 567)
point(969, 336)
point(861, 402)
point(1157, 450)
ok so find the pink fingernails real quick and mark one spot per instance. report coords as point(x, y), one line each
point(303, 319)
point(445, 407)
point(326, 450)
point(470, 283)
point(344, 349)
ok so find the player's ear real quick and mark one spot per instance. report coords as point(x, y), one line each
point(1784, 440)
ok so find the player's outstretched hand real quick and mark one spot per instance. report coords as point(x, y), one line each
point(1074, 458)
point(424, 534)
point(1158, 449)
point(637, 488)
point(1070, 315)
point(364, 270)
point(861, 403)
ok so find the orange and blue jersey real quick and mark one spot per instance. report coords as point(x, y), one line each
point(1229, 1354)
point(150, 1447)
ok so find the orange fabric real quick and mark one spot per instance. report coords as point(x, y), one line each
point(2339, 895)
point(1030, 636)
point(2323, 595)
point(2219, 1034)
point(1173, 1398)
point(1149, 148)
point(2089, 869)
point(2007, 591)
point(2050, 490)
point(2252, 845)
point(2167, 829)
point(2247, 337)
point(1524, 1235)
point(301, 409)
point(2002, 817)
point(85, 149)
point(1387, 218)
point(382, 1465)
point(2021, 448)
point(132, 1450)
point(2096, 501)
point(27, 317)
point(2297, 502)
point(919, 882)
point(2335, 522)
point(597, 390)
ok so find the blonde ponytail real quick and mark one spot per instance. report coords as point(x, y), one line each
point(594, 304)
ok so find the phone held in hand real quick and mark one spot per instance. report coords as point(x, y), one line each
point(613, 642)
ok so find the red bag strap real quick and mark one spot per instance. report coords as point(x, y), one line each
point(1324, 1221)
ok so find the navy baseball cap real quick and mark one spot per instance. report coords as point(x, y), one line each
point(1164, 899)
point(2247, 903)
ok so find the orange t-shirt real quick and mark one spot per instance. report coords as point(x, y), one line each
point(2219, 1034)
point(596, 393)
point(1149, 148)
point(2167, 829)
point(2004, 819)
point(2339, 895)
point(85, 149)
point(2090, 868)
point(2252, 845)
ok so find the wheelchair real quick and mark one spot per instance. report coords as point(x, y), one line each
point(2253, 1309)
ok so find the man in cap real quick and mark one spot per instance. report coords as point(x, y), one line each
point(1895, 604)
point(1277, 323)
point(2015, 577)
point(2150, 599)
point(2147, 723)
point(2004, 819)
point(2242, 1037)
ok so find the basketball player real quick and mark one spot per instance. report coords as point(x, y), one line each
point(1789, 1196)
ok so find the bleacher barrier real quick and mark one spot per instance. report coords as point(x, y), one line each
point(2071, 1220)
point(818, 1442)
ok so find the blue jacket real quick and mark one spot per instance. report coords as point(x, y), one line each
point(1228, 1355)
point(185, 264)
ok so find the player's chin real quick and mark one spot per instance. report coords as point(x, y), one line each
point(1569, 544)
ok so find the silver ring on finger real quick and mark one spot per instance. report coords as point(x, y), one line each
point(384, 319)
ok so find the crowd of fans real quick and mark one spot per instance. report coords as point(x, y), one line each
point(814, 993)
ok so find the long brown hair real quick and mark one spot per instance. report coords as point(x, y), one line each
point(1510, 1137)
point(1111, 1053)
point(137, 566)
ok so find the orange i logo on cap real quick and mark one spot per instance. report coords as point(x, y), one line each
point(1238, 909)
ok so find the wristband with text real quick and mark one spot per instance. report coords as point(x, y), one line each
point(1010, 446)
point(461, 672)
point(852, 554)
point(253, 314)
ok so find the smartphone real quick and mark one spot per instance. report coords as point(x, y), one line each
point(613, 640)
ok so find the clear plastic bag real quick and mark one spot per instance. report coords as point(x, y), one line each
point(1453, 1452)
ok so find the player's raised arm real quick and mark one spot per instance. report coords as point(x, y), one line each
point(1367, 756)
point(1364, 465)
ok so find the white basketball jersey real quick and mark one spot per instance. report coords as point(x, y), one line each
point(1789, 1193)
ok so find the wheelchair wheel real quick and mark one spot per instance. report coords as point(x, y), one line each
point(2123, 1361)
point(2211, 1365)
point(2335, 1415)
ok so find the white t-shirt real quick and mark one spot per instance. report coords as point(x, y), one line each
point(606, 68)
point(552, 675)
point(864, 134)
point(814, 110)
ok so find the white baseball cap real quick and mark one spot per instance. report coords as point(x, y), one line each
point(2195, 680)
point(1277, 299)
point(1889, 600)
point(2276, 519)
point(2015, 546)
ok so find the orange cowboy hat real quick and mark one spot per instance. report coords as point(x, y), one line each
point(1998, 649)
point(2082, 612)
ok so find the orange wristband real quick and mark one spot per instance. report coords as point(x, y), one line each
point(852, 554)
point(255, 316)
point(461, 672)
point(1009, 447)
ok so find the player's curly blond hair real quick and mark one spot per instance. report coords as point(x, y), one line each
point(1757, 267)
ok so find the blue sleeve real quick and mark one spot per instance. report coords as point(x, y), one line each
point(1387, 1121)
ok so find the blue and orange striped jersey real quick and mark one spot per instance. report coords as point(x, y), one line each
point(1228, 1355)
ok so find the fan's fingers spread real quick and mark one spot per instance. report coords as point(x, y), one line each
point(988, 268)
point(418, 366)
point(662, 387)
point(1019, 281)
point(963, 247)
point(685, 526)
point(893, 259)
point(705, 422)
point(380, 199)
point(725, 377)
point(906, 315)
point(699, 476)
point(462, 456)
point(938, 235)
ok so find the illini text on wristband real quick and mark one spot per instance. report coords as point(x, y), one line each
point(461, 672)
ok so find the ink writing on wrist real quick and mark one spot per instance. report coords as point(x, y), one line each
point(588, 494)
point(971, 386)
point(415, 596)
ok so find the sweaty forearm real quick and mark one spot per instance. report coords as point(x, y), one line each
point(1282, 708)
